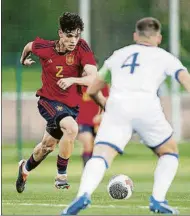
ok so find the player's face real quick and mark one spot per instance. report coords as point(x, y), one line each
point(69, 39)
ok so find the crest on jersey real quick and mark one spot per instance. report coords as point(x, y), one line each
point(70, 59)
point(59, 108)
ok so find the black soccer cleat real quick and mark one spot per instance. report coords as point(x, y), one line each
point(21, 180)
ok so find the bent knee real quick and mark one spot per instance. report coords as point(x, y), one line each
point(71, 130)
point(69, 125)
point(170, 147)
point(105, 152)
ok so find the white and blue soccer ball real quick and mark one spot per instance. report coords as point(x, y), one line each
point(120, 187)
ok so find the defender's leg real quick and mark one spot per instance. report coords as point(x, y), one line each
point(111, 139)
point(93, 174)
point(163, 176)
point(156, 132)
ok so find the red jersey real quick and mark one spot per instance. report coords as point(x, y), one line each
point(88, 108)
point(56, 66)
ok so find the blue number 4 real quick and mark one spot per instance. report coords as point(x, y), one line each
point(133, 63)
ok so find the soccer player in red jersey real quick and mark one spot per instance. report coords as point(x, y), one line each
point(88, 120)
point(66, 64)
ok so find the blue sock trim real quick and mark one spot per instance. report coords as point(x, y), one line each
point(111, 145)
point(106, 163)
point(172, 154)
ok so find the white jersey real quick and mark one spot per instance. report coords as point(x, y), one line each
point(136, 72)
point(141, 69)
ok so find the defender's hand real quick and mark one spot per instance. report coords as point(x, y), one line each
point(64, 83)
point(28, 62)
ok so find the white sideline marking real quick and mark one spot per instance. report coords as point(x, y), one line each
point(91, 206)
point(63, 205)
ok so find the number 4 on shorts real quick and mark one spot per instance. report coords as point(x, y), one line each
point(133, 63)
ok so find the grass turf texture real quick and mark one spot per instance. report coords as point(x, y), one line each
point(31, 79)
point(41, 198)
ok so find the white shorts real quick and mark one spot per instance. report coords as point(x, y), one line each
point(144, 117)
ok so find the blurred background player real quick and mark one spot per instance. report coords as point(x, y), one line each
point(136, 73)
point(88, 119)
point(63, 62)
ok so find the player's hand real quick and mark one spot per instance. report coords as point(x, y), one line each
point(84, 74)
point(28, 62)
point(65, 83)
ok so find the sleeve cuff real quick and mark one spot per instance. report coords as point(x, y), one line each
point(176, 74)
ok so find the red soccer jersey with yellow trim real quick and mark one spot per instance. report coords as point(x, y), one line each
point(56, 66)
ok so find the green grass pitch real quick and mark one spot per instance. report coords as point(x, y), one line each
point(31, 79)
point(41, 198)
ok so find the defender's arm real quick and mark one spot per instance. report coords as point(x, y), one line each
point(103, 78)
point(90, 72)
point(184, 79)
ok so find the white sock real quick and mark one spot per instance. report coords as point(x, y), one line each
point(163, 176)
point(92, 176)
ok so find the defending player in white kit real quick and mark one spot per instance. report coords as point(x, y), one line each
point(135, 72)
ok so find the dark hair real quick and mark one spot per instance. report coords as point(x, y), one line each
point(70, 21)
point(148, 26)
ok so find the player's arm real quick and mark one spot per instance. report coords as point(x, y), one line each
point(184, 79)
point(177, 70)
point(103, 78)
point(90, 72)
point(25, 54)
point(88, 64)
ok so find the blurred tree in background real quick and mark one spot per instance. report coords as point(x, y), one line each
point(23, 20)
point(111, 27)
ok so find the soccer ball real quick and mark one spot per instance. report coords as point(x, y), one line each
point(120, 187)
